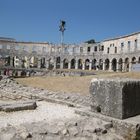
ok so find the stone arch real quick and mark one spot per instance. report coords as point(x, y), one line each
point(58, 61)
point(16, 61)
point(94, 62)
point(107, 64)
point(24, 62)
point(139, 60)
point(114, 64)
point(120, 64)
point(34, 62)
point(65, 63)
point(7, 60)
point(73, 62)
point(43, 62)
point(80, 63)
point(100, 64)
point(126, 64)
point(133, 60)
point(87, 63)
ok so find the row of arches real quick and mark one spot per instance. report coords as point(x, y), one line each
point(114, 64)
point(23, 62)
point(107, 64)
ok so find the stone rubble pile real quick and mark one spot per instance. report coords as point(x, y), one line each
point(84, 128)
point(80, 129)
point(10, 89)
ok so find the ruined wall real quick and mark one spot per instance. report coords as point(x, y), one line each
point(123, 53)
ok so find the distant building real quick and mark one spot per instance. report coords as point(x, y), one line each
point(115, 54)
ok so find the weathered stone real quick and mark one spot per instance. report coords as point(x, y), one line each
point(53, 130)
point(104, 131)
point(73, 131)
point(108, 125)
point(25, 135)
point(17, 106)
point(65, 132)
point(117, 98)
point(72, 123)
point(89, 128)
point(98, 130)
point(7, 136)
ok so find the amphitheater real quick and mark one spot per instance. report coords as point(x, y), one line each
point(115, 54)
point(105, 108)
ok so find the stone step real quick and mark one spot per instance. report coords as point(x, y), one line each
point(18, 106)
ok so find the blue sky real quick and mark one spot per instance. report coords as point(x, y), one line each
point(38, 20)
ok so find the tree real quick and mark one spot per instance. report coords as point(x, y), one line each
point(91, 41)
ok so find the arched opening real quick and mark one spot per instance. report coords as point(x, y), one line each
point(16, 61)
point(23, 62)
point(139, 60)
point(33, 62)
point(80, 64)
point(58, 61)
point(127, 64)
point(2, 62)
point(134, 60)
point(100, 64)
point(43, 63)
point(65, 63)
point(120, 64)
point(7, 60)
point(93, 65)
point(87, 62)
point(114, 64)
point(73, 61)
point(107, 64)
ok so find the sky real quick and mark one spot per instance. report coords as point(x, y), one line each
point(38, 20)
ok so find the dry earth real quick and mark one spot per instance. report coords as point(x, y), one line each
point(71, 84)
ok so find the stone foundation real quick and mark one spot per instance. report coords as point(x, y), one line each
point(118, 98)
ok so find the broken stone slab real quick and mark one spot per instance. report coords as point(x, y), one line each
point(126, 128)
point(18, 106)
point(118, 97)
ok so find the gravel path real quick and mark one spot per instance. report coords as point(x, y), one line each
point(45, 111)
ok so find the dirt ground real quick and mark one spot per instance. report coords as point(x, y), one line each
point(73, 84)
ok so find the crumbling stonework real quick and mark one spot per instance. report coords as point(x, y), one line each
point(115, 54)
point(18, 106)
point(117, 98)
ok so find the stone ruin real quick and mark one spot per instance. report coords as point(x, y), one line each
point(118, 98)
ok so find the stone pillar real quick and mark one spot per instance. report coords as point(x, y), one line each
point(47, 64)
point(76, 65)
point(61, 65)
point(130, 66)
point(103, 65)
point(117, 66)
point(90, 65)
point(110, 66)
point(69, 65)
point(123, 67)
point(39, 63)
point(54, 65)
point(97, 65)
point(11, 61)
point(83, 66)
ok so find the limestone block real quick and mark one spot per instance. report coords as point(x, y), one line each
point(17, 106)
point(118, 98)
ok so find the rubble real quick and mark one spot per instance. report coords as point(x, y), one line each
point(54, 118)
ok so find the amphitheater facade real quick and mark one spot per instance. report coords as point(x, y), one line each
point(115, 54)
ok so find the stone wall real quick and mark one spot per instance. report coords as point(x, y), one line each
point(118, 98)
